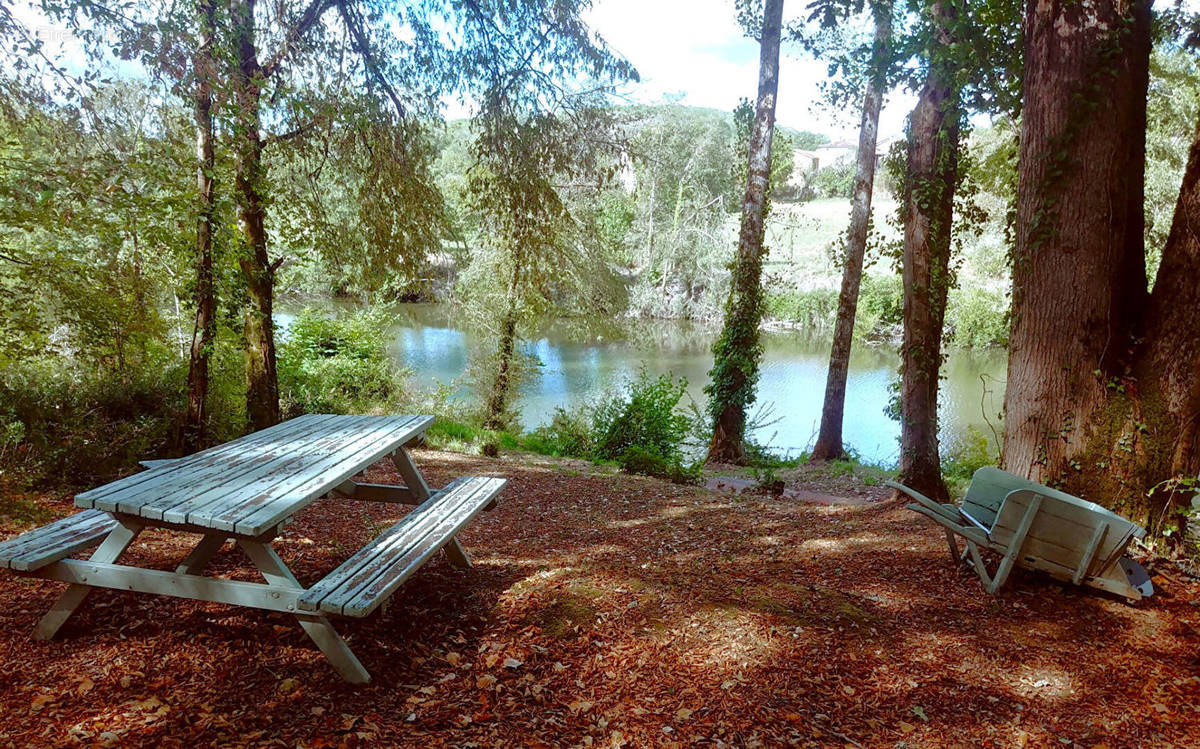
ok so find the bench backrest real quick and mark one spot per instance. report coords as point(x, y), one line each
point(1063, 529)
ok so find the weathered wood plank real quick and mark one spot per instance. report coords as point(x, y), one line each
point(56, 540)
point(178, 478)
point(271, 507)
point(122, 577)
point(181, 482)
point(156, 462)
point(114, 545)
point(270, 468)
point(351, 570)
point(327, 468)
point(365, 580)
point(232, 447)
point(369, 597)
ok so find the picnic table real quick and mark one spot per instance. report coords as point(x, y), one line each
point(247, 490)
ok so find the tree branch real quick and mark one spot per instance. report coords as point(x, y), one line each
point(312, 14)
point(362, 45)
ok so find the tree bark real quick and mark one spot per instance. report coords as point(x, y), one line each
point(928, 207)
point(497, 403)
point(262, 385)
point(1079, 275)
point(1168, 362)
point(829, 439)
point(204, 332)
point(737, 352)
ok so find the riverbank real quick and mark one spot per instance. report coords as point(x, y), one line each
point(618, 611)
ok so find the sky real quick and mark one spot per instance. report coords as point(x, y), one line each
point(696, 48)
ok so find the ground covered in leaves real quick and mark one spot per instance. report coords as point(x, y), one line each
point(607, 610)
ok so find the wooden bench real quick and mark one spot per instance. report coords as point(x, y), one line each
point(365, 580)
point(58, 540)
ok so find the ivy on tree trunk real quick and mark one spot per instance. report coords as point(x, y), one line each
point(931, 177)
point(1102, 396)
point(204, 332)
point(737, 352)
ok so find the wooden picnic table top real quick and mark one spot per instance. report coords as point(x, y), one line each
point(253, 483)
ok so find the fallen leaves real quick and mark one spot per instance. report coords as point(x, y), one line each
point(611, 611)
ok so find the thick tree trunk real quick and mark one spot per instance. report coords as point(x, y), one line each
point(204, 333)
point(1079, 278)
point(1168, 362)
point(928, 206)
point(829, 439)
point(737, 352)
point(262, 385)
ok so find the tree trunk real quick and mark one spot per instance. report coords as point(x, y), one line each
point(1079, 277)
point(262, 386)
point(737, 352)
point(498, 398)
point(829, 439)
point(928, 208)
point(204, 333)
point(1166, 368)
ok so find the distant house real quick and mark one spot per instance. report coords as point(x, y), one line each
point(838, 152)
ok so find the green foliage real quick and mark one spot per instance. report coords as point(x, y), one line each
point(569, 434)
point(977, 318)
point(78, 426)
point(357, 210)
point(644, 414)
point(1172, 106)
point(836, 180)
point(813, 310)
point(338, 365)
point(972, 452)
point(880, 306)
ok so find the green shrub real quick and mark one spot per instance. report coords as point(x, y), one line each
point(836, 180)
point(63, 424)
point(642, 426)
point(977, 318)
point(813, 310)
point(880, 306)
point(568, 435)
point(338, 365)
point(972, 452)
point(635, 459)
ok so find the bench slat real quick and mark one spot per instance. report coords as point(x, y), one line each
point(369, 561)
point(58, 540)
point(365, 580)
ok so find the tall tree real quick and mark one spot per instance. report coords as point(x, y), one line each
point(1102, 395)
point(533, 132)
point(205, 331)
point(829, 438)
point(737, 352)
point(927, 207)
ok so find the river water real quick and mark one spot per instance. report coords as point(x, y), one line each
point(580, 363)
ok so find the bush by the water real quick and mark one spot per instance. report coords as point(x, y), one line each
point(975, 318)
point(78, 425)
point(642, 427)
point(338, 365)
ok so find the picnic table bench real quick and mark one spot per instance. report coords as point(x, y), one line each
point(248, 490)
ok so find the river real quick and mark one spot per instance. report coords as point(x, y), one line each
point(580, 363)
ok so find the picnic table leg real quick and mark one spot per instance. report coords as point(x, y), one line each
point(316, 626)
point(456, 554)
point(201, 555)
point(69, 602)
point(403, 462)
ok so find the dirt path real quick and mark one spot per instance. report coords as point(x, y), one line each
point(607, 611)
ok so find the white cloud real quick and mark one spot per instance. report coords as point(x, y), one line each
point(695, 47)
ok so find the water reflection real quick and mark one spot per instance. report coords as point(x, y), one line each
point(582, 359)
